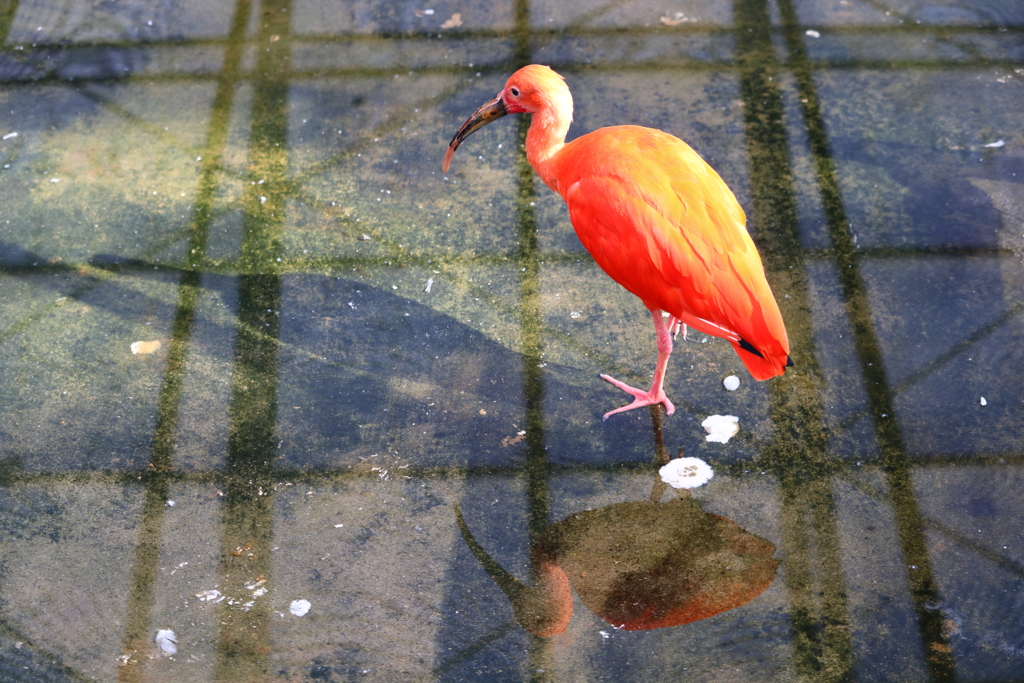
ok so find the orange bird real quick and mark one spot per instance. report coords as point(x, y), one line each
point(657, 219)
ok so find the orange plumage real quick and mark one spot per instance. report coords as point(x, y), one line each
point(657, 219)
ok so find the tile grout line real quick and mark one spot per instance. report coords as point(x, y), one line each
point(145, 565)
point(921, 578)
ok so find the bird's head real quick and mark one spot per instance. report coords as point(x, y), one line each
point(534, 89)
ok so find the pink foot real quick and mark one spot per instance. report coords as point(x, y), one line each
point(640, 398)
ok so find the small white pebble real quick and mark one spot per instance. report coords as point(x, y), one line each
point(983, 401)
point(299, 607)
point(732, 383)
point(813, 34)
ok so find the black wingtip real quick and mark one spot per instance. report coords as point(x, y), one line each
point(789, 361)
point(747, 346)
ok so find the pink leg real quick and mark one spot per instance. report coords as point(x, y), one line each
point(663, 330)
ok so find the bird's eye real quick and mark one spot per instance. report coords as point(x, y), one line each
point(514, 91)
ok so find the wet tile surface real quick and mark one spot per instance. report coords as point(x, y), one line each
point(363, 382)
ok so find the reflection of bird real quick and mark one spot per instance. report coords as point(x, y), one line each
point(657, 219)
point(638, 565)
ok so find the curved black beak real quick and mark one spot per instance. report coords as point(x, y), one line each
point(492, 111)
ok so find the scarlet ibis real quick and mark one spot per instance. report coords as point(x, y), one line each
point(656, 218)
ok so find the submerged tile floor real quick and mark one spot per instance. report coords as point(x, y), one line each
point(352, 342)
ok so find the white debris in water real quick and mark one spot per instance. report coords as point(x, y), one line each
point(430, 283)
point(212, 595)
point(983, 401)
point(299, 607)
point(167, 641)
point(453, 21)
point(721, 428)
point(145, 347)
point(997, 143)
point(732, 383)
point(679, 18)
point(686, 473)
point(812, 33)
point(11, 135)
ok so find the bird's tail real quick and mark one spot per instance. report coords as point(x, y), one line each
point(761, 365)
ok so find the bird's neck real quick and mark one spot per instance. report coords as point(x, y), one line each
point(543, 142)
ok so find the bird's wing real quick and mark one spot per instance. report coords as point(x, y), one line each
point(663, 224)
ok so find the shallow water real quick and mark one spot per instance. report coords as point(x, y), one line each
point(376, 382)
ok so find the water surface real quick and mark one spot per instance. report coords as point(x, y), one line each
point(353, 343)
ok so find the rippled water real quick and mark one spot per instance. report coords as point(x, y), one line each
point(374, 386)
